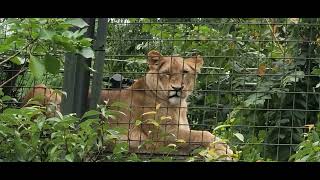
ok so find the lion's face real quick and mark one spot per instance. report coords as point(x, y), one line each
point(172, 78)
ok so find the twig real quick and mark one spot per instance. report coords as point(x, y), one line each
point(274, 37)
point(17, 53)
point(21, 70)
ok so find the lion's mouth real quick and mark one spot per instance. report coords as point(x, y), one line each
point(174, 94)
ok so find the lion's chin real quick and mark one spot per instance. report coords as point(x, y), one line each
point(175, 100)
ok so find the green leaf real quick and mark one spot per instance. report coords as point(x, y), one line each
point(165, 117)
point(12, 111)
point(65, 42)
point(58, 91)
point(87, 52)
point(90, 113)
point(17, 60)
point(120, 104)
point(221, 126)
point(122, 147)
point(52, 64)
point(239, 136)
point(121, 130)
point(316, 72)
point(262, 134)
point(180, 141)
point(149, 113)
point(70, 157)
point(151, 121)
point(276, 54)
point(53, 150)
point(46, 34)
point(138, 122)
point(282, 121)
point(299, 74)
point(1, 92)
point(36, 67)
point(86, 125)
point(77, 22)
point(6, 98)
point(294, 77)
point(4, 130)
point(79, 33)
point(133, 158)
point(92, 70)
point(85, 42)
point(68, 34)
point(40, 124)
point(315, 136)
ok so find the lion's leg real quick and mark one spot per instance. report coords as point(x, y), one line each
point(136, 140)
point(43, 95)
point(194, 138)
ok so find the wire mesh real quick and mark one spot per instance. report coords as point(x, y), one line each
point(258, 86)
point(243, 73)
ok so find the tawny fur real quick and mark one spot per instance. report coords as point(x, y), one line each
point(148, 92)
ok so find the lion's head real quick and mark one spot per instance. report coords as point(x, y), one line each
point(172, 78)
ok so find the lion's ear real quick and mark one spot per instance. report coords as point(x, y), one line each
point(196, 63)
point(154, 57)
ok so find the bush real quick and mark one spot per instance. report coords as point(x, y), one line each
point(26, 134)
point(309, 149)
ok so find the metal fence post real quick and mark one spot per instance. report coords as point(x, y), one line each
point(77, 78)
point(99, 48)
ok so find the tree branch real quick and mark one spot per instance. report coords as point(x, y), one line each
point(275, 39)
point(21, 70)
point(17, 53)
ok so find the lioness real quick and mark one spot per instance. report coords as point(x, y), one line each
point(158, 101)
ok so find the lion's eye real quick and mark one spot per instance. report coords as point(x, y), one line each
point(185, 71)
point(166, 73)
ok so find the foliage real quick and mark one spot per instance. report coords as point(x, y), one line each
point(39, 44)
point(26, 134)
point(259, 86)
point(265, 70)
point(46, 38)
point(309, 149)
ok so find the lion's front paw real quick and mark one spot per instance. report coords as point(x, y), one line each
point(221, 149)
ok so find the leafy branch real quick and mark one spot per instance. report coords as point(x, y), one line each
point(18, 73)
point(274, 39)
point(19, 52)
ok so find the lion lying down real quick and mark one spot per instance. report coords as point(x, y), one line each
point(164, 89)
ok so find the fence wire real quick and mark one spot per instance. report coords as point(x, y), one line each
point(258, 88)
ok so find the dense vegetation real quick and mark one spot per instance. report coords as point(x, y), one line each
point(258, 89)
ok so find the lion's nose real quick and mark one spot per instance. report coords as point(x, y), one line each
point(176, 88)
